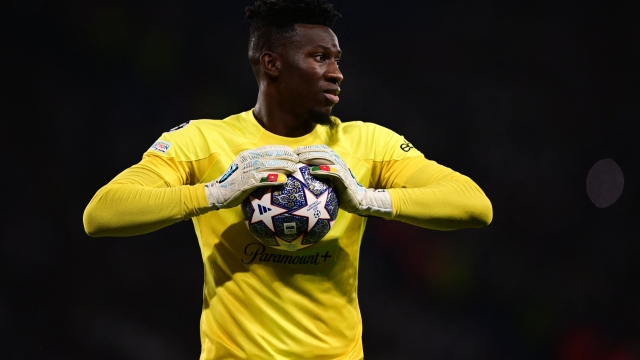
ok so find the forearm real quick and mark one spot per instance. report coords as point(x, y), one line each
point(449, 204)
point(141, 199)
point(120, 209)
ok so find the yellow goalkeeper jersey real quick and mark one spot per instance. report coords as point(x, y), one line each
point(260, 302)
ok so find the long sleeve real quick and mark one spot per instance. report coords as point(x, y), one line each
point(436, 197)
point(140, 200)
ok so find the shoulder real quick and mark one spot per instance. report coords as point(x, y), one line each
point(374, 141)
point(363, 128)
point(197, 139)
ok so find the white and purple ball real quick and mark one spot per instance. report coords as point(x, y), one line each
point(294, 215)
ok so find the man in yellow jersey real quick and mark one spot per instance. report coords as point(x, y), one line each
point(257, 306)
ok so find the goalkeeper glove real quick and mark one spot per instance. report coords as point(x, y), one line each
point(263, 166)
point(352, 196)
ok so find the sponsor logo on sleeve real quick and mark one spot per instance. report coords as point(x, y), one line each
point(161, 146)
point(406, 146)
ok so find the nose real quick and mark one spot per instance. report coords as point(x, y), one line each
point(333, 73)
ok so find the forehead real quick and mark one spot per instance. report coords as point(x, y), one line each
point(309, 36)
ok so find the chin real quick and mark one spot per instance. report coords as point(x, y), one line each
point(322, 117)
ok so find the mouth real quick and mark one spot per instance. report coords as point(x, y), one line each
point(332, 95)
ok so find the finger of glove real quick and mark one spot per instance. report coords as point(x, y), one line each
point(308, 148)
point(336, 171)
point(257, 179)
point(271, 179)
point(329, 171)
point(269, 152)
point(344, 187)
point(268, 179)
point(279, 166)
point(319, 158)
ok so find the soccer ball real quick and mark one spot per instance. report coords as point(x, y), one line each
point(294, 215)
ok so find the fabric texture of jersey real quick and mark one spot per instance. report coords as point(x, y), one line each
point(264, 303)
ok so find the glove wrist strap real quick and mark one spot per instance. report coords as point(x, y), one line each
point(377, 202)
point(213, 195)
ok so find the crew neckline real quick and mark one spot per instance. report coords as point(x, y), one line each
point(252, 119)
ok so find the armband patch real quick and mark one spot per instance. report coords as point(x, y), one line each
point(180, 126)
point(161, 146)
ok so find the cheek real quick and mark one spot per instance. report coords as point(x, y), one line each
point(302, 83)
point(301, 79)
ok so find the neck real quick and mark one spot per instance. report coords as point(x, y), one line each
point(280, 119)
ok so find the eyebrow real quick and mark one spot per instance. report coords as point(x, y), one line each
point(326, 48)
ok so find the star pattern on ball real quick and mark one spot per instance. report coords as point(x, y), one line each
point(294, 245)
point(315, 209)
point(264, 210)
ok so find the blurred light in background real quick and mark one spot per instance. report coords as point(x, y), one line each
point(605, 183)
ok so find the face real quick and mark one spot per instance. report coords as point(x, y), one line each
point(309, 78)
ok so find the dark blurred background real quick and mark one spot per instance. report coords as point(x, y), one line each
point(524, 97)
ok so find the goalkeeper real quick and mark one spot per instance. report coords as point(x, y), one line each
point(204, 169)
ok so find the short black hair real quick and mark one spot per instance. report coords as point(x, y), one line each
point(272, 20)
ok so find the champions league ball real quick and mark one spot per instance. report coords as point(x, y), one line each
point(294, 215)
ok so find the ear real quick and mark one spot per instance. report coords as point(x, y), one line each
point(270, 63)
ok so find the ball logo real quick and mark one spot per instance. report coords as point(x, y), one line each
point(263, 210)
point(314, 208)
point(289, 228)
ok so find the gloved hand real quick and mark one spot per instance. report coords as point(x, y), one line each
point(263, 166)
point(352, 197)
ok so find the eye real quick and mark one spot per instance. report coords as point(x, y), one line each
point(337, 60)
point(320, 57)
